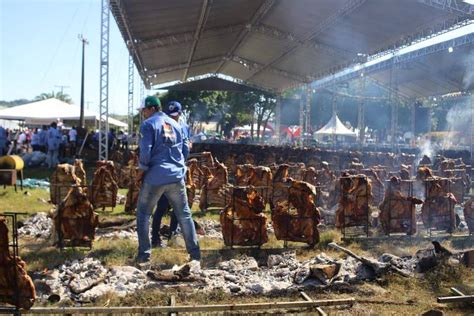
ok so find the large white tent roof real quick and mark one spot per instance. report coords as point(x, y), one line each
point(46, 111)
point(335, 127)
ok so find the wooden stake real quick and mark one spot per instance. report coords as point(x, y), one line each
point(189, 308)
point(173, 303)
point(319, 309)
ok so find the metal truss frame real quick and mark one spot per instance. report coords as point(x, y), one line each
point(104, 82)
point(206, 7)
point(349, 74)
point(187, 37)
point(349, 7)
point(131, 73)
point(256, 18)
point(453, 6)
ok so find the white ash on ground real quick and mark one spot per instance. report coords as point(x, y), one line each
point(39, 225)
point(117, 234)
point(212, 229)
point(87, 279)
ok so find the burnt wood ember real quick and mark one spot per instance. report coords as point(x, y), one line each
point(61, 181)
point(469, 214)
point(354, 201)
point(215, 189)
point(133, 185)
point(242, 220)
point(295, 216)
point(13, 275)
point(75, 218)
point(438, 209)
point(103, 192)
point(398, 210)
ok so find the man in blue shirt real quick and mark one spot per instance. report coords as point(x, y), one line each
point(173, 110)
point(3, 141)
point(53, 139)
point(162, 151)
point(43, 141)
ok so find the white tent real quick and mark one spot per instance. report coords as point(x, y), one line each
point(336, 128)
point(46, 111)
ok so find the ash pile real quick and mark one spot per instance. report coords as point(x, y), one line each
point(85, 280)
point(39, 225)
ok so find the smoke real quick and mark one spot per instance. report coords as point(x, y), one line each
point(458, 124)
point(426, 149)
point(468, 79)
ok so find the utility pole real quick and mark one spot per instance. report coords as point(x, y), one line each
point(84, 41)
point(62, 88)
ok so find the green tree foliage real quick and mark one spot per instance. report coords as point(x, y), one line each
point(229, 109)
point(8, 104)
point(58, 95)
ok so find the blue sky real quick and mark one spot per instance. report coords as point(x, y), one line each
point(40, 49)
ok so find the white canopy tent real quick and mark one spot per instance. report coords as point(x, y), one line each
point(46, 111)
point(336, 128)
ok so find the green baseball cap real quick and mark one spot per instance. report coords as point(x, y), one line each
point(150, 101)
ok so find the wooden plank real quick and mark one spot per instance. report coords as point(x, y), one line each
point(189, 308)
point(456, 299)
point(173, 303)
point(318, 309)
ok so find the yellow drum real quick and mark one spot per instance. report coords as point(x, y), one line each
point(11, 162)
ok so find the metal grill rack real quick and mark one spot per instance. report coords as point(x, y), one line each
point(358, 220)
point(451, 216)
point(62, 242)
point(288, 218)
point(251, 243)
point(406, 187)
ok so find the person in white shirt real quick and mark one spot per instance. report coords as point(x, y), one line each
point(73, 140)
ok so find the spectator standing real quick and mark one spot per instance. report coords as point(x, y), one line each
point(162, 151)
point(43, 141)
point(73, 140)
point(3, 141)
point(53, 141)
point(35, 140)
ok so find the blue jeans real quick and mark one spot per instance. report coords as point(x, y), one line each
point(176, 195)
point(161, 209)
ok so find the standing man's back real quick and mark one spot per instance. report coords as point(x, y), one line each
point(161, 158)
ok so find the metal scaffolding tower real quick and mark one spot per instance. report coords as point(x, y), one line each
point(307, 114)
point(278, 118)
point(361, 111)
point(130, 92)
point(301, 117)
point(394, 105)
point(104, 83)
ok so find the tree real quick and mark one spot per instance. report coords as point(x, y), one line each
point(58, 95)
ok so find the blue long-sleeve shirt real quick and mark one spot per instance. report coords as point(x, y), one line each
point(3, 138)
point(163, 148)
point(53, 138)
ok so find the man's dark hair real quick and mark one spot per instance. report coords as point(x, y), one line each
point(54, 125)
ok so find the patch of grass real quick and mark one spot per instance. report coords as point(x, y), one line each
point(47, 257)
point(117, 252)
point(28, 201)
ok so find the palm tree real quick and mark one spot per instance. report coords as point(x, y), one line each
point(58, 95)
